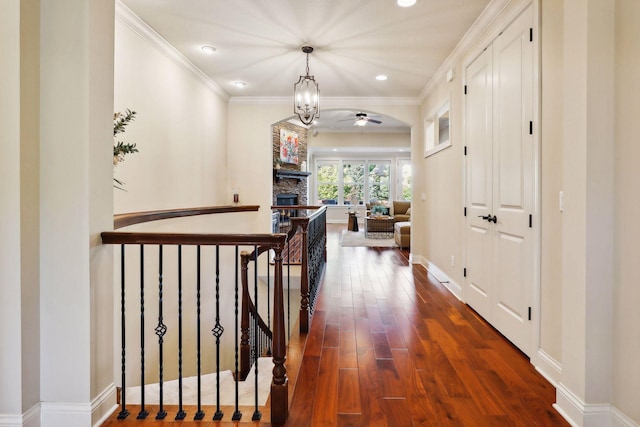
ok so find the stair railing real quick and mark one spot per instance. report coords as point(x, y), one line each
point(310, 223)
point(160, 241)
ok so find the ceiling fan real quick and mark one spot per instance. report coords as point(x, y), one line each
point(361, 119)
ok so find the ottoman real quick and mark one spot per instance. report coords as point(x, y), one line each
point(402, 234)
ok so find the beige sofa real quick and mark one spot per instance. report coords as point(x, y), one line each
point(402, 234)
point(401, 211)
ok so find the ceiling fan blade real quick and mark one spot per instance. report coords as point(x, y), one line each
point(346, 120)
point(374, 121)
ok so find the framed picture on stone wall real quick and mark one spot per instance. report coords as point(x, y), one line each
point(288, 147)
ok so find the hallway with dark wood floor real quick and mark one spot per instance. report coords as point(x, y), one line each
point(390, 346)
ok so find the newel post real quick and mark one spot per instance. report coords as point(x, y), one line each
point(279, 382)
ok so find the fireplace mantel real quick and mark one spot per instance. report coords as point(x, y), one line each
point(289, 174)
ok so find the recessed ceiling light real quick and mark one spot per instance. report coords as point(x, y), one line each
point(406, 3)
point(381, 77)
point(208, 49)
point(335, 149)
point(239, 84)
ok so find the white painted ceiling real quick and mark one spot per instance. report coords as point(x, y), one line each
point(259, 41)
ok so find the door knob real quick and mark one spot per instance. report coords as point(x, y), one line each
point(490, 218)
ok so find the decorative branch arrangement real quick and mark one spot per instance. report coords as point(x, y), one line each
point(120, 149)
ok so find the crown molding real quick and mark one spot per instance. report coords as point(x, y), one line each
point(473, 34)
point(133, 21)
point(327, 102)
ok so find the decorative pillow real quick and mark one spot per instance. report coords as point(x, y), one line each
point(408, 212)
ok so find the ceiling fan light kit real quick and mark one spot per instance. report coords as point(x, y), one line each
point(361, 119)
point(306, 95)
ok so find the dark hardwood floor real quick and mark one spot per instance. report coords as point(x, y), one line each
point(390, 346)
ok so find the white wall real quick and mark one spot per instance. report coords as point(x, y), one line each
point(442, 185)
point(10, 257)
point(587, 252)
point(180, 127)
point(551, 178)
point(76, 100)
point(626, 334)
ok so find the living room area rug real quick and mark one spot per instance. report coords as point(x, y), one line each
point(356, 238)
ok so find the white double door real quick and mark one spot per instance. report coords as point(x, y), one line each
point(500, 183)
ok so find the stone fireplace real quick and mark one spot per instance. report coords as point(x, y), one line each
point(288, 178)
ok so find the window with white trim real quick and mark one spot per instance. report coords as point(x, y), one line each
point(353, 182)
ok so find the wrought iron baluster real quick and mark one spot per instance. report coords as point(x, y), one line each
point(181, 413)
point(237, 415)
point(199, 413)
point(143, 412)
point(161, 329)
point(123, 411)
point(289, 289)
point(257, 415)
point(217, 332)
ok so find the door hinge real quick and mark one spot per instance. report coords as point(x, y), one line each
point(530, 128)
point(465, 150)
point(465, 89)
point(465, 211)
point(530, 34)
point(530, 221)
point(464, 272)
point(529, 313)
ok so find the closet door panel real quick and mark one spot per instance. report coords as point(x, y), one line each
point(512, 182)
point(478, 181)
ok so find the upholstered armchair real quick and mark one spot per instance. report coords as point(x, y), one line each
point(401, 211)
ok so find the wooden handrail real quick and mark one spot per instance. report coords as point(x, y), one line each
point(121, 237)
point(122, 220)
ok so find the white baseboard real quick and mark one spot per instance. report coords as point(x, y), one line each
point(445, 280)
point(104, 405)
point(440, 275)
point(547, 366)
point(56, 414)
point(621, 420)
point(30, 418)
point(580, 414)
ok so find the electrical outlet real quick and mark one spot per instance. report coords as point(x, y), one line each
point(561, 201)
point(453, 261)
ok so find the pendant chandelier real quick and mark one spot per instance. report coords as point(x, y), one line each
point(306, 95)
